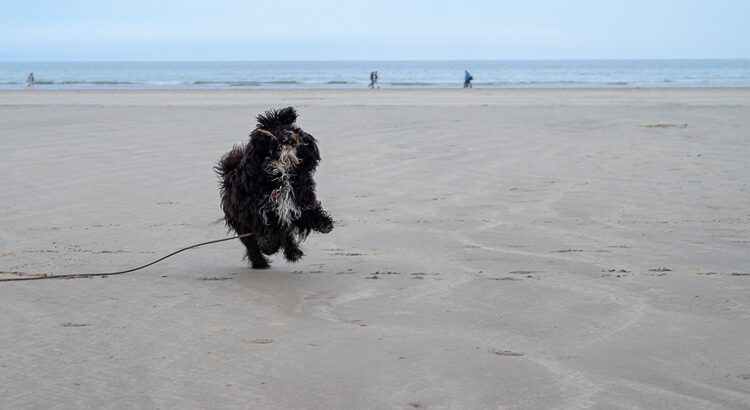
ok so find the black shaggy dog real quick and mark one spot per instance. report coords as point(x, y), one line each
point(268, 191)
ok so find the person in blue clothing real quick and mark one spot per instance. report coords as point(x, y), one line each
point(467, 79)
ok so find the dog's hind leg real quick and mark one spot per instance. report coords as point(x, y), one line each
point(270, 244)
point(257, 260)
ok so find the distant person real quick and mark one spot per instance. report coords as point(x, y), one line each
point(467, 79)
point(374, 80)
point(30, 81)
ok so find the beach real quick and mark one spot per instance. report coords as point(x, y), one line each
point(493, 248)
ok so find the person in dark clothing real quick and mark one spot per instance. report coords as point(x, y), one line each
point(374, 80)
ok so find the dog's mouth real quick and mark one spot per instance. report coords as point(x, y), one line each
point(289, 139)
point(288, 155)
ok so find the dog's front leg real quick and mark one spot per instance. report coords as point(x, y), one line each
point(318, 219)
point(292, 252)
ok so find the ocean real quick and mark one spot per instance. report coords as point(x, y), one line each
point(392, 74)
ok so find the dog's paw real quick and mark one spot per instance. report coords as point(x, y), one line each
point(325, 227)
point(293, 255)
point(260, 265)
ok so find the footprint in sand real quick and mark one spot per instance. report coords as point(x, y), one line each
point(258, 341)
point(665, 126)
point(505, 353)
point(71, 324)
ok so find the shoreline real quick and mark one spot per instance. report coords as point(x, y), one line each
point(430, 97)
point(383, 89)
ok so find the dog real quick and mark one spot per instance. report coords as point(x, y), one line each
point(268, 191)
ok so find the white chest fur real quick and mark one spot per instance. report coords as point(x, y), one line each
point(282, 198)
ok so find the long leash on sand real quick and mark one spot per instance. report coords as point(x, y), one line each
point(91, 275)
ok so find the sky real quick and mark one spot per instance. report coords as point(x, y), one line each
point(283, 30)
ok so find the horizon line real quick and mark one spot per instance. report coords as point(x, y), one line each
point(373, 60)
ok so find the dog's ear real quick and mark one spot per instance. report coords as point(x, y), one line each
point(261, 142)
point(309, 140)
point(275, 118)
point(308, 152)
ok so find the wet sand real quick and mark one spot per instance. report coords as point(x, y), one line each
point(493, 249)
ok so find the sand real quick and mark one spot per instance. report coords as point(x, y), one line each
point(493, 249)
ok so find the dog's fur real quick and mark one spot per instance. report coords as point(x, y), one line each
point(267, 188)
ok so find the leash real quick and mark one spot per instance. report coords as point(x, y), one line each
point(91, 275)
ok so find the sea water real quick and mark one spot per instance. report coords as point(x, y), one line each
point(392, 74)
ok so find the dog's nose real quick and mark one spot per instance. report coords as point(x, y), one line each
point(291, 135)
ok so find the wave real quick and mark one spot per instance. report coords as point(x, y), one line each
point(282, 82)
point(550, 83)
point(410, 83)
point(77, 82)
point(227, 83)
point(74, 82)
point(337, 82)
